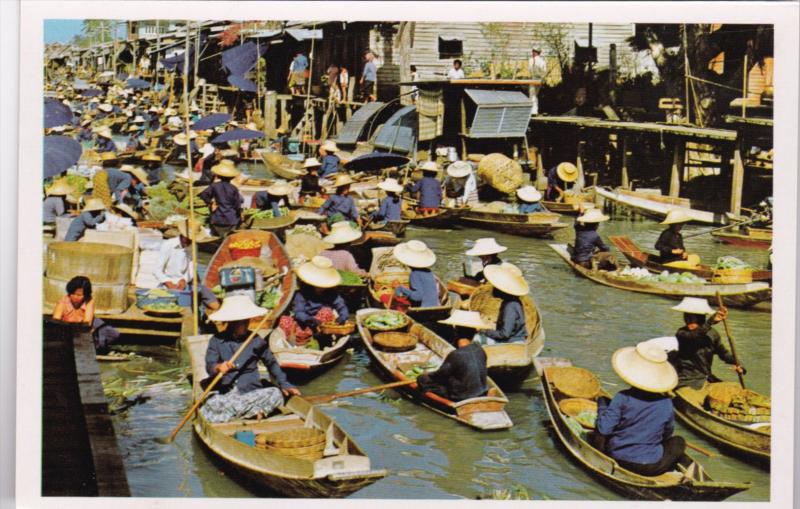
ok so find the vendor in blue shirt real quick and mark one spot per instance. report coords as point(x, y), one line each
point(589, 247)
point(330, 161)
point(530, 200)
point(636, 427)
point(422, 290)
point(92, 214)
point(557, 179)
point(428, 189)
point(55, 204)
point(103, 142)
point(85, 132)
point(509, 285)
point(134, 142)
point(272, 198)
point(227, 210)
point(391, 206)
point(340, 206)
point(240, 393)
point(135, 193)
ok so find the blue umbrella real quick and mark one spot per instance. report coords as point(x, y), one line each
point(238, 134)
point(56, 113)
point(375, 161)
point(240, 59)
point(211, 121)
point(242, 83)
point(60, 152)
point(91, 92)
point(136, 83)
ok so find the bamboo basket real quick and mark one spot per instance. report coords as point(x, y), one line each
point(500, 172)
point(395, 341)
point(732, 276)
point(101, 263)
point(574, 382)
point(303, 443)
point(337, 329)
point(126, 238)
point(109, 299)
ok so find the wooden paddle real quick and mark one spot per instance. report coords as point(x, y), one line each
point(700, 449)
point(213, 383)
point(731, 341)
point(324, 398)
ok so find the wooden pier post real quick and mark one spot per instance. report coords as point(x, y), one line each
point(270, 108)
point(624, 181)
point(678, 154)
point(737, 181)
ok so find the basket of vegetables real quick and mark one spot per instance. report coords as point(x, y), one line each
point(350, 278)
point(731, 270)
point(146, 298)
point(395, 341)
point(582, 410)
point(334, 328)
point(163, 309)
point(386, 321)
point(245, 247)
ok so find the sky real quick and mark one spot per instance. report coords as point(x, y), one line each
point(62, 30)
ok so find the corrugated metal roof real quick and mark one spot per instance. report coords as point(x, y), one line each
point(500, 114)
point(399, 133)
point(498, 97)
point(354, 127)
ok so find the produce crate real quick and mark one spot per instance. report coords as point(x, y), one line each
point(732, 276)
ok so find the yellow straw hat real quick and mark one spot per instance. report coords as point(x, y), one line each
point(342, 233)
point(485, 247)
point(105, 132)
point(126, 210)
point(59, 188)
point(137, 172)
point(675, 216)
point(645, 367)
point(319, 272)
point(235, 308)
point(226, 168)
point(593, 216)
point(180, 138)
point(567, 172)
point(342, 180)
point(507, 278)
point(391, 185)
point(93, 204)
point(414, 253)
point(471, 319)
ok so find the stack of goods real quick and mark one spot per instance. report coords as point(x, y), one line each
point(245, 247)
point(663, 277)
point(302, 443)
point(731, 402)
point(500, 172)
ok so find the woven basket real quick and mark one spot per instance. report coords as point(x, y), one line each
point(500, 172)
point(574, 382)
point(101, 263)
point(483, 301)
point(337, 329)
point(732, 276)
point(311, 453)
point(291, 438)
point(400, 327)
point(395, 341)
point(574, 406)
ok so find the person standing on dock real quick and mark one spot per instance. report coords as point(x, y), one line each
point(297, 73)
point(227, 209)
point(330, 161)
point(590, 250)
point(369, 77)
point(537, 66)
point(429, 189)
point(509, 286)
point(698, 343)
point(92, 214)
point(422, 290)
point(670, 242)
point(240, 393)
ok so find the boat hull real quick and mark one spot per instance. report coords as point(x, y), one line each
point(444, 218)
point(658, 210)
point(735, 239)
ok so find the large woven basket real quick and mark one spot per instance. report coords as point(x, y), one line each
point(500, 172)
point(575, 406)
point(395, 341)
point(337, 329)
point(729, 401)
point(574, 382)
point(304, 443)
point(101, 263)
point(732, 276)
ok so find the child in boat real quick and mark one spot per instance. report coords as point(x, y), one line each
point(635, 427)
point(487, 250)
point(670, 242)
point(429, 189)
point(587, 241)
point(341, 236)
point(240, 393)
point(92, 214)
point(315, 302)
point(340, 206)
point(698, 342)
point(462, 375)
point(272, 198)
point(509, 285)
point(227, 212)
point(423, 291)
point(77, 306)
point(530, 199)
point(391, 206)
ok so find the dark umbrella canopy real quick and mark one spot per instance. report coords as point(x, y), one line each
point(211, 121)
point(240, 59)
point(56, 113)
point(238, 134)
point(375, 161)
point(91, 92)
point(242, 83)
point(136, 83)
point(175, 62)
point(60, 152)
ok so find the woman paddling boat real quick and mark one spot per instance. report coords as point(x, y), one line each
point(423, 290)
point(509, 285)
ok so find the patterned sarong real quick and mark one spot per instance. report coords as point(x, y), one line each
point(235, 405)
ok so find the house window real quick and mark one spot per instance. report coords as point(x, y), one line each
point(450, 47)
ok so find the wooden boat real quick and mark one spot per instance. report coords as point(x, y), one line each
point(538, 224)
point(301, 363)
point(276, 225)
point(483, 413)
point(343, 469)
point(277, 256)
point(751, 441)
point(443, 218)
point(567, 209)
point(281, 165)
point(733, 295)
point(639, 258)
point(657, 206)
point(509, 364)
point(385, 268)
point(398, 228)
point(757, 238)
point(690, 484)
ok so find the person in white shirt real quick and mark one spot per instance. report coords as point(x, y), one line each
point(456, 72)
point(538, 69)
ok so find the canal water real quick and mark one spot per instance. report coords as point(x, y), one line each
point(429, 456)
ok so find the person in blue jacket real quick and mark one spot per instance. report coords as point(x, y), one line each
point(272, 198)
point(92, 214)
point(330, 161)
point(135, 193)
point(589, 248)
point(429, 189)
point(340, 206)
point(530, 200)
point(226, 212)
point(422, 290)
point(103, 141)
point(392, 204)
point(636, 427)
point(509, 285)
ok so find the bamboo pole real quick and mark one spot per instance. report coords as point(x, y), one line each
point(744, 88)
point(191, 228)
point(731, 341)
point(686, 74)
point(308, 87)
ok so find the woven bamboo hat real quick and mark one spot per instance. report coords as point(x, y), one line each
point(200, 234)
point(529, 194)
point(59, 188)
point(311, 162)
point(126, 210)
point(342, 180)
point(235, 308)
point(414, 253)
point(429, 166)
point(391, 185)
point(139, 119)
point(645, 367)
point(567, 172)
point(319, 272)
point(93, 204)
point(507, 278)
point(226, 168)
point(471, 319)
point(593, 216)
point(342, 233)
point(459, 169)
point(105, 132)
point(694, 306)
point(85, 122)
point(279, 189)
point(675, 216)
point(330, 146)
point(485, 247)
point(180, 138)
point(137, 172)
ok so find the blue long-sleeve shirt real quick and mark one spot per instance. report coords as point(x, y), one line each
point(105, 145)
point(85, 134)
point(265, 201)
point(79, 225)
point(530, 208)
point(307, 303)
point(52, 207)
point(430, 192)
point(245, 376)
point(340, 204)
point(118, 181)
point(636, 423)
point(330, 165)
point(390, 209)
point(423, 291)
point(586, 241)
point(510, 323)
point(229, 203)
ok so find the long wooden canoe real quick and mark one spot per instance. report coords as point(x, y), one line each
point(301, 363)
point(483, 413)
point(397, 227)
point(751, 441)
point(272, 252)
point(281, 165)
point(691, 484)
point(443, 218)
point(757, 238)
point(567, 209)
point(538, 224)
point(343, 469)
point(509, 364)
point(733, 295)
point(649, 261)
point(656, 207)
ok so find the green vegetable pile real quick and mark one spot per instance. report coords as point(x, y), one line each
point(269, 298)
point(164, 307)
point(417, 370)
point(350, 278)
point(674, 277)
point(730, 262)
point(267, 214)
point(162, 202)
point(77, 183)
point(386, 320)
point(587, 418)
point(200, 207)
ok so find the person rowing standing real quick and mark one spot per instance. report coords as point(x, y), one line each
point(227, 212)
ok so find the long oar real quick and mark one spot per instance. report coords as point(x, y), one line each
point(213, 383)
point(330, 397)
point(726, 227)
point(731, 341)
point(700, 450)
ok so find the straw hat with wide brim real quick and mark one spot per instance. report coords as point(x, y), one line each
point(137, 172)
point(279, 189)
point(567, 172)
point(105, 107)
point(429, 166)
point(506, 278)
point(342, 180)
point(645, 367)
point(200, 234)
point(126, 210)
point(694, 305)
point(134, 128)
point(151, 157)
point(391, 185)
point(235, 308)
point(485, 247)
point(139, 119)
point(319, 272)
point(59, 188)
point(105, 132)
point(676, 216)
point(170, 112)
point(330, 146)
point(342, 233)
point(414, 253)
point(529, 194)
point(459, 169)
point(94, 204)
point(180, 138)
point(225, 168)
point(311, 162)
point(85, 122)
point(471, 319)
point(593, 216)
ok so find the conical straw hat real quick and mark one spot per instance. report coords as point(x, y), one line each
point(414, 253)
point(429, 166)
point(342, 180)
point(59, 188)
point(471, 319)
point(330, 146)
point(279, 189)
point(105, 132)
point(529, 194)
point(180, 138)
point(567, 172)
point(675, 216)
point(342, 233)
point(319, 272)
point(93, 204)
point(105, 107)
point(506, 278)
point(137, 172)
point(694, 305)
point(486, 247)
point(459, 169)
point(593, 216)
point(226, 168)
point(645, 367)
point(237, 307)
point(311, 162)
point(391, 185)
